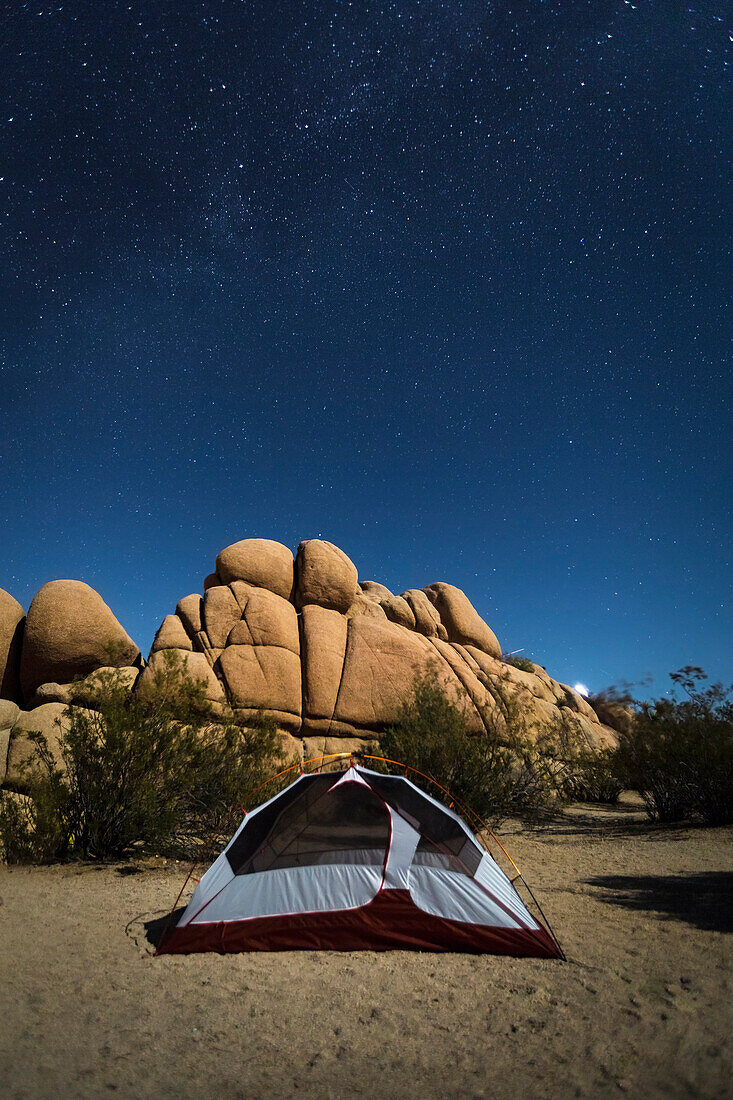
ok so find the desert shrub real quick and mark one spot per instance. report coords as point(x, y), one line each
point(522, 663)
point(509, 770)
point(157, 771)
point(569, 767)
point(30, 828)
point(431, 734)
point(678, 753)
point(579, 771)
point(592, 776)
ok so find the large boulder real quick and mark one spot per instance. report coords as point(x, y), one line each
point(325, 576)
point(332, 660)
point(9, 714)
point(461, 620)
point(263, 679)
point(12, 620)
point(375, 591)
point(190, 611)
point(265, 620)
point(398, 610)
point(380, 667)
point(473, 684)
point(364, 605)
point(501, 673)
point(427, 619)
point(324, 633)
point(254, 639)
point(221, 613)
point(171, 635)
point(70, 632)
point(260, 562)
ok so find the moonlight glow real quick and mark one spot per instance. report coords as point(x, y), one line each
point(581, 689)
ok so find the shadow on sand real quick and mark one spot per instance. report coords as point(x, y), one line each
point(704, 899)
point(626, 819)
point(156, 926)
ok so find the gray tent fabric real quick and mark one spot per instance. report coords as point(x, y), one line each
point(356, 860)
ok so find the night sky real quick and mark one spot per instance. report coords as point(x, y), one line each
point(447, 284)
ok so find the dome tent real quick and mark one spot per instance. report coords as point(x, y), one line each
point(356, 860)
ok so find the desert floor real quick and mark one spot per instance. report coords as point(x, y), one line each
point(643, 1006)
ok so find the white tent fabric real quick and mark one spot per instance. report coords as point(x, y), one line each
point(356, 860)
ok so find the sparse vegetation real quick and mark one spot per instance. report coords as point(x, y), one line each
point(593, 776)
point(522, 663)
point(678, 753)
point(432, 735)
point(154, 772)
point(509, 770)
point(31, 829)
point(161, 772)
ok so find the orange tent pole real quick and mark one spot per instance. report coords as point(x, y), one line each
point(216, 832)
point(469, 811)
point(386, 760)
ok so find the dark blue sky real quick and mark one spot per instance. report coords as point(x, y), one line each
point(445, 283)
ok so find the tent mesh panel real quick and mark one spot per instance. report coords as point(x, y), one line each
point(252, 836)
point(428, 854)
point(439, 832)
point(346, 824)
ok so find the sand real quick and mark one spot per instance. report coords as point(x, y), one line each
point(643, 1006)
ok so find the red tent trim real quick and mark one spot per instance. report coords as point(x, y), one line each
point(390, 922)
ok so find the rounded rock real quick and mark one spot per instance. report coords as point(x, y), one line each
point(460, 618)
point(69, 633)
point(261, 562)
point(398, 611)
point(171, 635)
point(12, 618)
point(427, 619)
point(375, 591)
point(325, 576)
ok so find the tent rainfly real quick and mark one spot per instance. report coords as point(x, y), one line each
point(356, 860)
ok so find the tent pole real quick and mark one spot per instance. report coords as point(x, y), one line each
point(206, 850)
point(484, 826)
point(467, 810)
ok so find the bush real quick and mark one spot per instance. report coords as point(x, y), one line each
point(151, 772)
point(507, 771)
point(678, 754)
point(30, 829)
point(592, 776)
point(522, 663)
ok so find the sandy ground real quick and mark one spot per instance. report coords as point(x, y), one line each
point(643, 1006)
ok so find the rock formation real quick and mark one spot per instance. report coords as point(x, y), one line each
point(70, 632)
point(12, 622)
point(329, 658)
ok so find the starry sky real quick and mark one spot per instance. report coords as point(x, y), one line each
point(446, 283)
